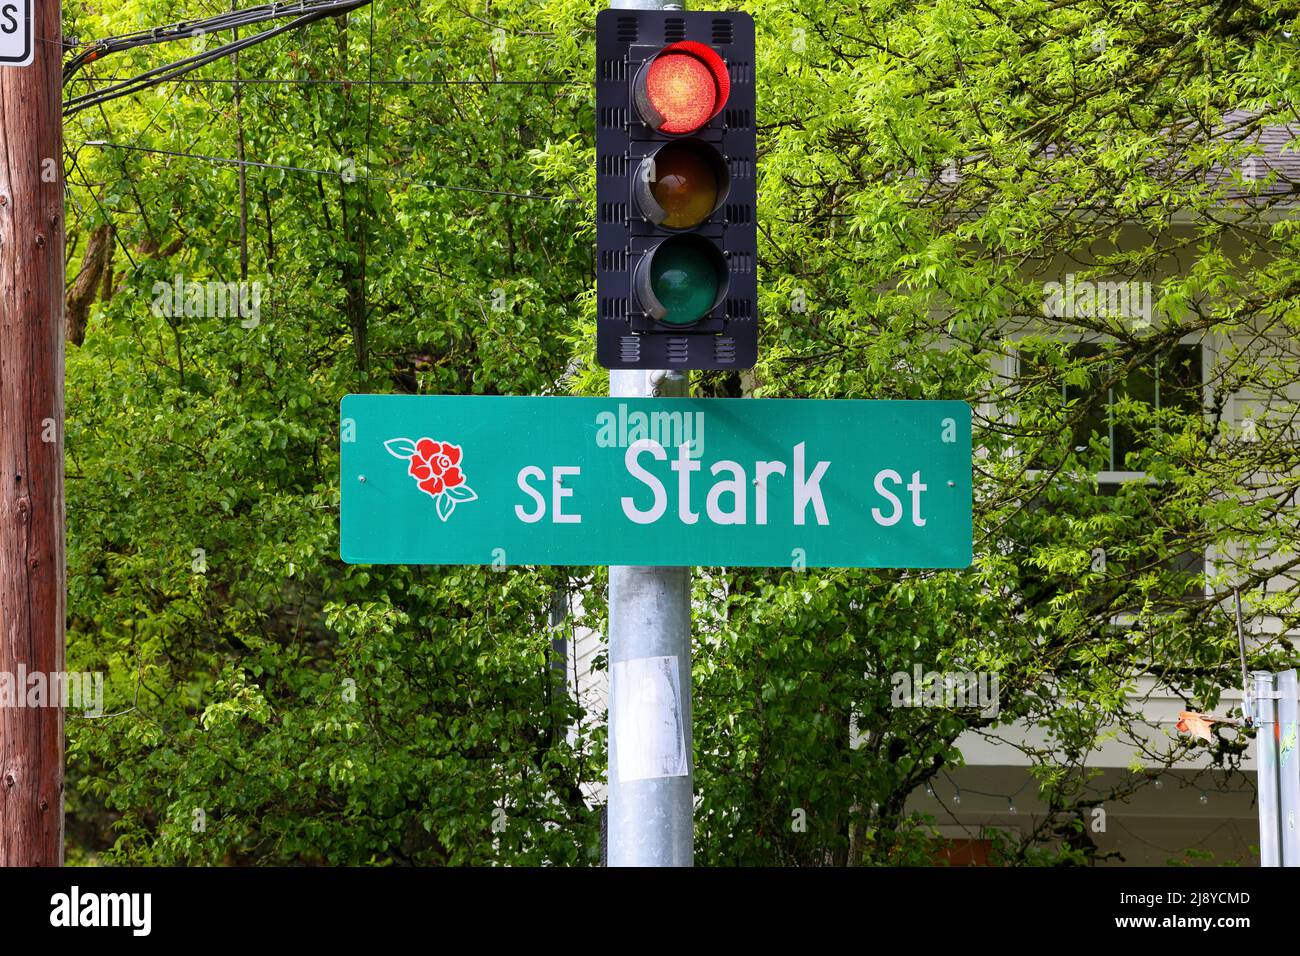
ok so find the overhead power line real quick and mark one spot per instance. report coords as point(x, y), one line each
point(304, 12)
point(185, 29)
point(226, 160)
point(257, 81)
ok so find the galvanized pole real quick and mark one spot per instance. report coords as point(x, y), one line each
point(1287, 771)
point(1266, 778)
point(650, 768)
point(650, 793)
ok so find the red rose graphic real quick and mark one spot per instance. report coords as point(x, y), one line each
point(436, 468)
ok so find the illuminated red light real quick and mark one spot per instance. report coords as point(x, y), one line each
point(684, 87)
point(681, 90)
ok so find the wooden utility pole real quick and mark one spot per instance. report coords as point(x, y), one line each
point(31, 449)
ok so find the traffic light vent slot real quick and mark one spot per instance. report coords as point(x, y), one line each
point(737, 213)
point(674, 29)
point(739, 309)
point(613, 117)
point(626, 31)
point(742, 262)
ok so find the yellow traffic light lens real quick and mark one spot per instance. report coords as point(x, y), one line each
point(685, 185)
point(681, 184)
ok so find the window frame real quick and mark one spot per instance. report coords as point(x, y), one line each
point(1211, 344)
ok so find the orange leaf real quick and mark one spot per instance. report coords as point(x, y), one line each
point(1199, 724)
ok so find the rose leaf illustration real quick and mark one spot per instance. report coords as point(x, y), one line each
point(462, 493)
point(400, 447)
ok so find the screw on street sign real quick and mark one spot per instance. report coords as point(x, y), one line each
point(679, 481)
point(17, 40)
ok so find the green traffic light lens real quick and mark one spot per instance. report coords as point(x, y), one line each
point(685, 281)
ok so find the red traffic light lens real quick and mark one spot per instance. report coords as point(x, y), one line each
point(682, 87)
point(682, 90)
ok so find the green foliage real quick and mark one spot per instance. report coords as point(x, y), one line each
point(275, 706)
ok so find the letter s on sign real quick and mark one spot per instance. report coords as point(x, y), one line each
point(532, 471)
point(656, 486)
point(881, 477)
point(10, 22)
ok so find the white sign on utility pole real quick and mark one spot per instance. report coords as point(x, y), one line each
point(17, 33)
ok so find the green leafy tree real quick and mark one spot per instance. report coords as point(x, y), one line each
point(419, 221)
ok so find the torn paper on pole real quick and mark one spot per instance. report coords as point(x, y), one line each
point(650, 731)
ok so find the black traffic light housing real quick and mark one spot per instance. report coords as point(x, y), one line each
point(677, 282)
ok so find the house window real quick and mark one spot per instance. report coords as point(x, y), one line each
point(1170, 380)
point(1093, 394)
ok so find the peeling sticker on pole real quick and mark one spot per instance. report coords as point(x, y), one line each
point(649, 731)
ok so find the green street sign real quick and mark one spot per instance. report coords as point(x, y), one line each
point(676, 481)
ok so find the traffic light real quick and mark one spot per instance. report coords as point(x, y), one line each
point(676, 230)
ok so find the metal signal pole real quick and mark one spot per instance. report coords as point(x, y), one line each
point(651, 801)
point(31, 449)
point(651, 796)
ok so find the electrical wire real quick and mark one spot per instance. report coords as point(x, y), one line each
point(225, 160)
point(227, 20)
point(173, 70)
point(305, 12)
point(104, 212)
point(346, 82)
